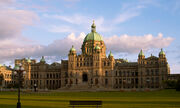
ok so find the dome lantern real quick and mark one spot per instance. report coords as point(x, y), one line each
point(161, 52)
point(29, 60)
point(42, 59)
point(72, 49)
point(141, 53)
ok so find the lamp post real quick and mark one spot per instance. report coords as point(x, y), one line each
point(19, 72)
point(35, 86)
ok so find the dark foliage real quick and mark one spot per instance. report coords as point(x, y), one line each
point(178, 85)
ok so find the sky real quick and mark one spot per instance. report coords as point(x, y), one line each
point(35, 28)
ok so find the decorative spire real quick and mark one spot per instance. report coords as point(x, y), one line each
point(110, 54)
point(93, 27)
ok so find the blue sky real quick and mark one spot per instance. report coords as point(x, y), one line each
point(35, 28)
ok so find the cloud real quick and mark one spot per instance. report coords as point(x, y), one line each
point(104, 25)
point(6, 2)
point(133, 44)
point(80, 21)
point(13, 22)
point(60, 48)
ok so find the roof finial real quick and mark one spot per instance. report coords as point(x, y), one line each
point(93, 27)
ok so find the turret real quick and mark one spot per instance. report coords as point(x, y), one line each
point(28, 68)
point(141, 57)
point(110, 55)
point(162, 57)
point(42, 60)
point(72, 50)
point(72, 58)
point(162, 54)
point(28, 60)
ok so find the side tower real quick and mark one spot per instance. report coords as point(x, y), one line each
point(163, 66)
point(140, 79)
point(72, 65)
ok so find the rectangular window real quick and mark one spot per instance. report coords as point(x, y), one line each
point(106, 73)
point(106, 81)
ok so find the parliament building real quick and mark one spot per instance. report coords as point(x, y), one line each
point(93, 70)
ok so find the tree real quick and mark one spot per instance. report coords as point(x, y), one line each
point(1, 79)
point(178, 85)
point(170, 84)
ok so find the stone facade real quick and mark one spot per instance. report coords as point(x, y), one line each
point(45, 76)
point(7, 76)
point(93, 70)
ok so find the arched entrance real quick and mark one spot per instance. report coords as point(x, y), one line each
point(84, 77)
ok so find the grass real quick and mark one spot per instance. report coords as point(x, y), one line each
point(154, 99)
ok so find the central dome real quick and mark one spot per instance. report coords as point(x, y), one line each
point(93, 35)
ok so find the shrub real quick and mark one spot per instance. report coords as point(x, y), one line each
point(178, 85)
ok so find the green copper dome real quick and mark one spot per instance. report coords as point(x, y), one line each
point(110, 54)
point(29, 60)
point(72, 49)
point(42, 59)
point(162, 52)
point(141, 53)
point(93, 35)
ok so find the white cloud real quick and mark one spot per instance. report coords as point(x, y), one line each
point(6, 2)
point(103, 25)
point(13, 20)
point(60, 48)
point(80, 21)
point(132, 44)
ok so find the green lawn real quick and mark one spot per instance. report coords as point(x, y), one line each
point(155, 99)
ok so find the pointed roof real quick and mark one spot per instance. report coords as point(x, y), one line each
point(161, 52)
point(141, 53)
point(110, 54)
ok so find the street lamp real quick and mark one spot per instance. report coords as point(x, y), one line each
point(35, 86)
point(19, 72)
